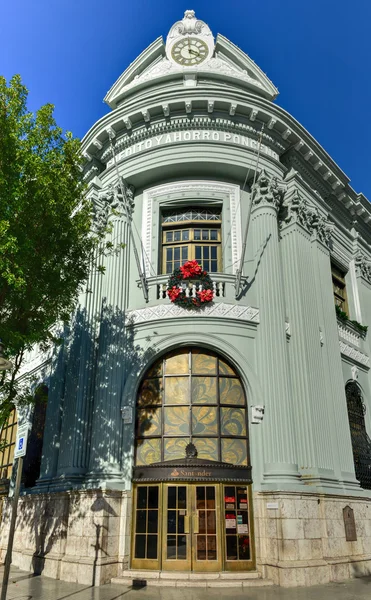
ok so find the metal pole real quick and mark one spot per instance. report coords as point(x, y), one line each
point(8, 558)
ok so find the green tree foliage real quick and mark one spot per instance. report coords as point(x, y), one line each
point(46, 245)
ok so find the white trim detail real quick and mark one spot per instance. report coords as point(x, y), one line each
point(216, 189)
point(354, 354)
point(172, 311)
point(349, 335)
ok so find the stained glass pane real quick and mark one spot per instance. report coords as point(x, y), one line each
point(150, 392)
point(233, 421)
point(176, 420)
point(149, 422)
point(177, 364)
point(204, 390)
point(177, 390)
point(231, 391)
point(204, 420)
point(155, 370)
point(207, 448)
point(225, 369)
point(148, 452)
point(234, 451)
point(174, 448)
point(203, 363)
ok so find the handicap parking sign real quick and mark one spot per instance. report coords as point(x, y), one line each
point(21, 442)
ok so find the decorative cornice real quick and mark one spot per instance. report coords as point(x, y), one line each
point(267, 190)
point(164, 126)
point(348, 334)
point(354, 354)
point(171, 311)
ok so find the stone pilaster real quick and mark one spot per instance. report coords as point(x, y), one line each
point(280, 469)
point(310, 400)
point(106, 464)
point(333, 380)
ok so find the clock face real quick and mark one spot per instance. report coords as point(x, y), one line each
point(189, 51)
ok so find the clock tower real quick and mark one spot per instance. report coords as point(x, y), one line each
point(190, 41)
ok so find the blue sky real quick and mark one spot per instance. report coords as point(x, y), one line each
point(317, 52)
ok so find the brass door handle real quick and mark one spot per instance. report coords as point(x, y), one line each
point(196, 523)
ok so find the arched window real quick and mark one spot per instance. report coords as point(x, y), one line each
point(361, 443)
point(191, 396)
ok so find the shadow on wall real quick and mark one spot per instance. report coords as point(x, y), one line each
point(88, 376)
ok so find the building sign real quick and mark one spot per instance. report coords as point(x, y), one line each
point(179, 137)
point(191, 471)
point(349, 524)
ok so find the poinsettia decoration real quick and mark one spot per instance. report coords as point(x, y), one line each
point(188, 295)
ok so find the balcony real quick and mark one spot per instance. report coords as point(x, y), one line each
point(351, 342)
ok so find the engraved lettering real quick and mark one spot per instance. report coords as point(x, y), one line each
point(227, 137)
point(206, 135)
point(168, 139)
point(187, 136)
point(158, 138)
point(148, 144)
point(196, 135)
point(215, 136)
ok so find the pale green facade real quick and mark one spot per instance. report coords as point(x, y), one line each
point(189, 136)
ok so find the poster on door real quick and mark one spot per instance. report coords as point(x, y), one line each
point(241, 526)
point(230, 521)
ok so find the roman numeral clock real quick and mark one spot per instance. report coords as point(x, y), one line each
point(190, 41)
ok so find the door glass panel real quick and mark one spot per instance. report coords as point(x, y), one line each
point(148, 451)
point(146, 523)
point(150, 392)
point(149, 422)
point(175, 523)
point(206, 542)
point(231, 391)
point(236, 507)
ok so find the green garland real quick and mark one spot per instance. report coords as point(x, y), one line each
point(175, 281)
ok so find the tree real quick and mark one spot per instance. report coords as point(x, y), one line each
point(46, 244)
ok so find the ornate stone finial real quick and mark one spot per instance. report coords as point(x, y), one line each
point(363, 266)
point(267, 190)
point(191, 451)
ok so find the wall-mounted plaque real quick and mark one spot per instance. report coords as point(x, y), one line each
point(349, 524)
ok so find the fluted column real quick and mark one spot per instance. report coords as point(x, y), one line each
point(310, 400)
point(280, 468)
point(106, 436)
point(333, 380)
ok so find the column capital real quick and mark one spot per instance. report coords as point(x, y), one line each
point(111, 202)
point(363, 266)
point(296, 209)
point(267, 191)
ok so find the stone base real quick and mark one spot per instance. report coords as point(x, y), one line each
point(84, 536)
point(302, 542)
point(77, 536)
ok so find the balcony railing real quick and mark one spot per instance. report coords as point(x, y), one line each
point(158, 286)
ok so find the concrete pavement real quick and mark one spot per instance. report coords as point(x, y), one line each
point(23, 586)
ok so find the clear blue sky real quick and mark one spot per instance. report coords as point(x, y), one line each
point(317, 52)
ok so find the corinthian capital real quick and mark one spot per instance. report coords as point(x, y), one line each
point(114, 200)
point(267, 190)
point(363, 266)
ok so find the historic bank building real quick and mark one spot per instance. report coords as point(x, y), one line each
point(210, 424)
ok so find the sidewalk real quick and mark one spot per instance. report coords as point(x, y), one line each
point(23, 586)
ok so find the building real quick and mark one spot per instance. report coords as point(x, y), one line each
point(229, 437)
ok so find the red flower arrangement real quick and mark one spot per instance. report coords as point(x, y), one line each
point(178, 293)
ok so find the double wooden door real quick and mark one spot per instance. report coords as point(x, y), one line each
point(190, 527)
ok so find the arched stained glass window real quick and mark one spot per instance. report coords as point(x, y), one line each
point(191, 395)
point(361, 443)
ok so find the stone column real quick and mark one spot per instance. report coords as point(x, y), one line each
point(106, 437)
point(280, 468)
point(310, 400)
point(334, 381)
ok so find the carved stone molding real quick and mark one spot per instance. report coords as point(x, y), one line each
point(171, 311)
point(110, 201)
point(348, 334)
point(267, 190)
point(296, 209)
point(215, 189)
point(363, 266)
point(354, 354)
